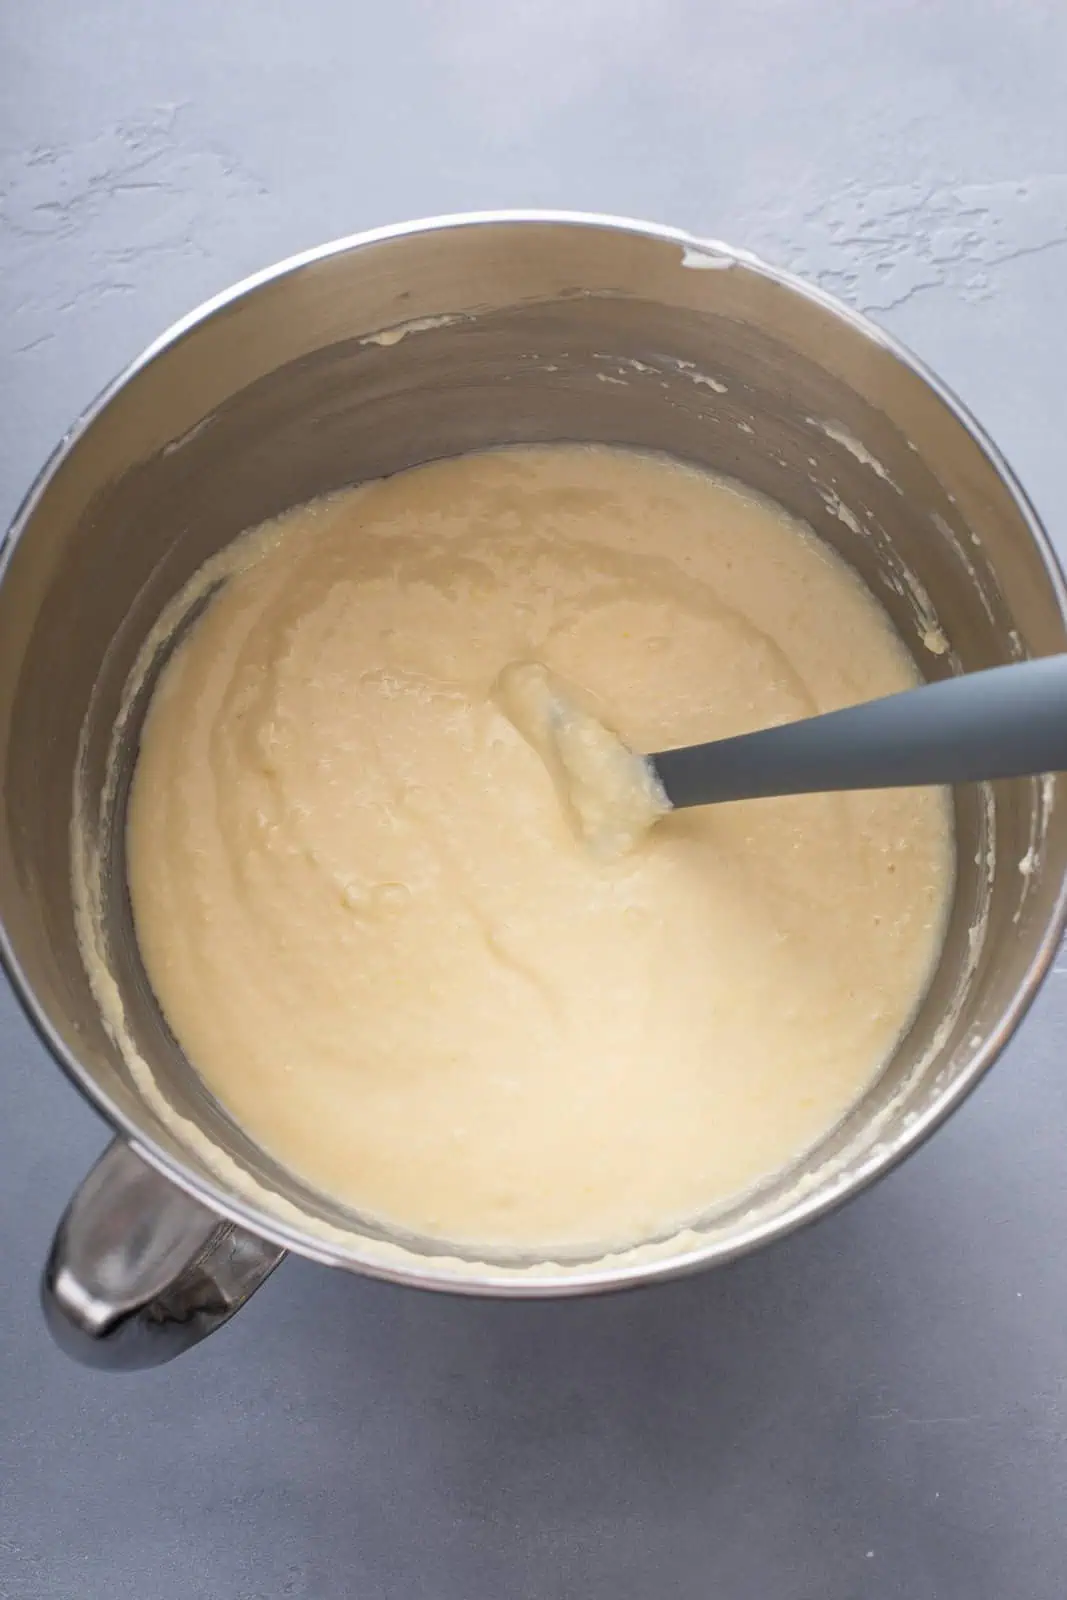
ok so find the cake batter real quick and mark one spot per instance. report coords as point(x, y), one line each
point(377, 933)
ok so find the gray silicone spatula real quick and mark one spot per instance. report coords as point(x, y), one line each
point(1002, 723)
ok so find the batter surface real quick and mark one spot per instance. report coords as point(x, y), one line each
point(378, 935)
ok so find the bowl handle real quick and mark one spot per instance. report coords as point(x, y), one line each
point(138, 1271)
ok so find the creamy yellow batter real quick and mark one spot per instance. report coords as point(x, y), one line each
point(374, 928)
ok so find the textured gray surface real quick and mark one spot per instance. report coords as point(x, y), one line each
point(876, 1409)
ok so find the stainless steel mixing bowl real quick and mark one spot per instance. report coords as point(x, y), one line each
point(363, 358)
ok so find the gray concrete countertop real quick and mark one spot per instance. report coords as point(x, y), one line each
point(876, 1409)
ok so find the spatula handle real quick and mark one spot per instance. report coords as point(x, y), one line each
point(1001, 723)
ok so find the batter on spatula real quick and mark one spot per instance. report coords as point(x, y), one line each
point(379, 936)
